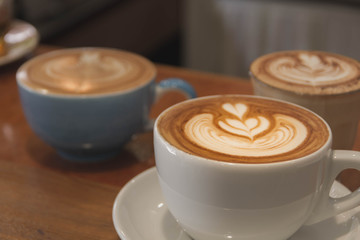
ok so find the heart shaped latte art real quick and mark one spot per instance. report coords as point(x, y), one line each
point(240, 135)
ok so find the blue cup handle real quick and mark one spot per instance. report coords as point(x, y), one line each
point(169, 85)
point(174, 84)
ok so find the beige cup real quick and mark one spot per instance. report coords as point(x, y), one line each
point(328, 84)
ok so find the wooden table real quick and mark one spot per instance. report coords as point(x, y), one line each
point(43, 196)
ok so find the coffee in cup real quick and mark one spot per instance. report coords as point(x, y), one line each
point(247, 168)
point(88, 71)
point(243, 130)
point(88, 102)
point(326, 83)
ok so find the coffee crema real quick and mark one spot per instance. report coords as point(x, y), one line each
point(86, 71)
point(242, 129)
point(308, 72)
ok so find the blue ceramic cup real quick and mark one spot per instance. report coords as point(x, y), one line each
point(88, 102)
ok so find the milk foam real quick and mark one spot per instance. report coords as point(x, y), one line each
point(308, 72)
point(310, 69)
point(241, 135)
point(86, 71)
point(242, 129)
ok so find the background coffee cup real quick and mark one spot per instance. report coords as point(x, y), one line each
point(72, 101)
point(6, 15)
point(213, 196)
point(327, 83)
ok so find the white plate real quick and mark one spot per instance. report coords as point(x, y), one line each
point(140, 213)
point(21, 39)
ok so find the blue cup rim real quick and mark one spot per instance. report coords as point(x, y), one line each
point(21, 76)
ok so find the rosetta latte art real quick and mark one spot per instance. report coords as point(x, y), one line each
point(87, 71)
point(89, 67)
point(246, 136)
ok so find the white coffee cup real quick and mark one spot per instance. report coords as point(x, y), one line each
point(216, 199)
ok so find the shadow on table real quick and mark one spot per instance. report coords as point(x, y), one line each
point(138, 151)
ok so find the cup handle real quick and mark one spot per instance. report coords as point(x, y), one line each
point(168, 85)
point(327, 206)
point(174, 84)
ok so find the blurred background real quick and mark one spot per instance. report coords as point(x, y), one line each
point(221, 36)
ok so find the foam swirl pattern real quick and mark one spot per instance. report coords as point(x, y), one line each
point(309, 72)
point(238, 136)
point(87, 71)
point(236, 129)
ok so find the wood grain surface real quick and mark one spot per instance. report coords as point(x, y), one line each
point(40, 204)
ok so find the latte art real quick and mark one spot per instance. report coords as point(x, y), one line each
point(251, 137)
point(242, 129)
point(86, 71)
point(91, 68)
point(311, 69)
point(308, 72)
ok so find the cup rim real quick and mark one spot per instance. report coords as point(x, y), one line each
point(21, 75)
point(325, 147)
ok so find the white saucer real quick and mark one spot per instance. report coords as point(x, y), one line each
point(139, 213)
point(21, 39)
